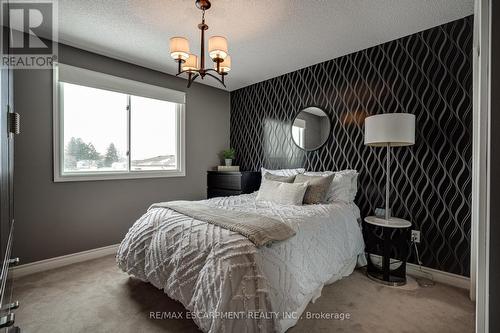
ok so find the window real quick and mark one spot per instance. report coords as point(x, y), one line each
point(107, 127)
point(298, 129)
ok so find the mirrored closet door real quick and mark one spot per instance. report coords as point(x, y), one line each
point(9, 126)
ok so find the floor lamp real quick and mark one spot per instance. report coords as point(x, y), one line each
point(390, 130)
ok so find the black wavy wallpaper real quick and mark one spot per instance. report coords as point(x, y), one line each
point(428, 74)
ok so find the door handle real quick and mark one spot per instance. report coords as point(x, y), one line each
point(14, 123)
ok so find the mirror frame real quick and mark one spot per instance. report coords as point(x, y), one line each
point(329, 132)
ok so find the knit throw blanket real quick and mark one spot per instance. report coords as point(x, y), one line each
point(260, 230)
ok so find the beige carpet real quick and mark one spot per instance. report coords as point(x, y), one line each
point(97, 297)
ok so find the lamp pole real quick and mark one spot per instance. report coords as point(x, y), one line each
point(387, 183)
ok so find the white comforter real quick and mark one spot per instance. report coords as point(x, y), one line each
point(228, 284)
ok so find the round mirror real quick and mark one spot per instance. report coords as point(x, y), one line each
point(311, 128)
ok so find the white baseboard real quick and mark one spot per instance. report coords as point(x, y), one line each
point(443, 277)
point(439, 276)
point(47, 264)
point(52, 263)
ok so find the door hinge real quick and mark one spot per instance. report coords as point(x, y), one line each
point(13, 262)
point(14, 123)
point(11, 306)
point(7, 320)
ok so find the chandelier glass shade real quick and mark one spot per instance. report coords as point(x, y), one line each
point(194, 66)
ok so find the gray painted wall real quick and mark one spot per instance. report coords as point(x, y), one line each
point(313, 129)
point(55, 219)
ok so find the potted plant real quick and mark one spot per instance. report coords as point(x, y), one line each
point(228, 155)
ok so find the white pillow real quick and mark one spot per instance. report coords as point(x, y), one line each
point(344, 185)
point(282, 193)
point(318, 173)
point(282, 172)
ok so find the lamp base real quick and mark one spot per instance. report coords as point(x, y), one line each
point(392, 280)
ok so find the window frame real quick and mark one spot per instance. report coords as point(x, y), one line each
point(58, 130)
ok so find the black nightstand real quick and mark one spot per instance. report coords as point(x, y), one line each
point(224, 184)
point(391, 239)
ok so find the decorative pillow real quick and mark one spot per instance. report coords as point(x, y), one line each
point(283, 172)
point(283, 179)
point(317, 189)
point(319, 173)
point(282, 193)
point(343, 187)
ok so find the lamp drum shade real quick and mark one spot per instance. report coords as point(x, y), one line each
point(191, 63)
point(179, 48)
point(217, 47)
point(393, 129)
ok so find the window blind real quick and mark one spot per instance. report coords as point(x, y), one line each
point(89, 78)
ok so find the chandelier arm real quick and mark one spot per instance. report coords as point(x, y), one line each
point(210, 70)
point(191, 79)
point(215, 77)
point(187, 71)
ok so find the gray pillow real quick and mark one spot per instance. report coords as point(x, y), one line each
point(283, 172)
point(276, 178)
point(317, 187)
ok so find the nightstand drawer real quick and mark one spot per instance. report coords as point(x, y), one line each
point(223, 184)
point(217, 192)
point(224, 181)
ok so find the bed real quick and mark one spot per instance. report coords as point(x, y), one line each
point(227, 283)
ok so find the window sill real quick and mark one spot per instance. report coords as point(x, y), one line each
point(78, 177)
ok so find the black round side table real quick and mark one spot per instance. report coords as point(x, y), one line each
point(391, 240)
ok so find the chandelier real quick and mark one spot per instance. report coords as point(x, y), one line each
point(217, 50)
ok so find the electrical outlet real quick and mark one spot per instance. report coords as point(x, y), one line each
point(415, 236)
point(380, 212)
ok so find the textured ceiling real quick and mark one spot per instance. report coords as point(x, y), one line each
point(267, 38)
